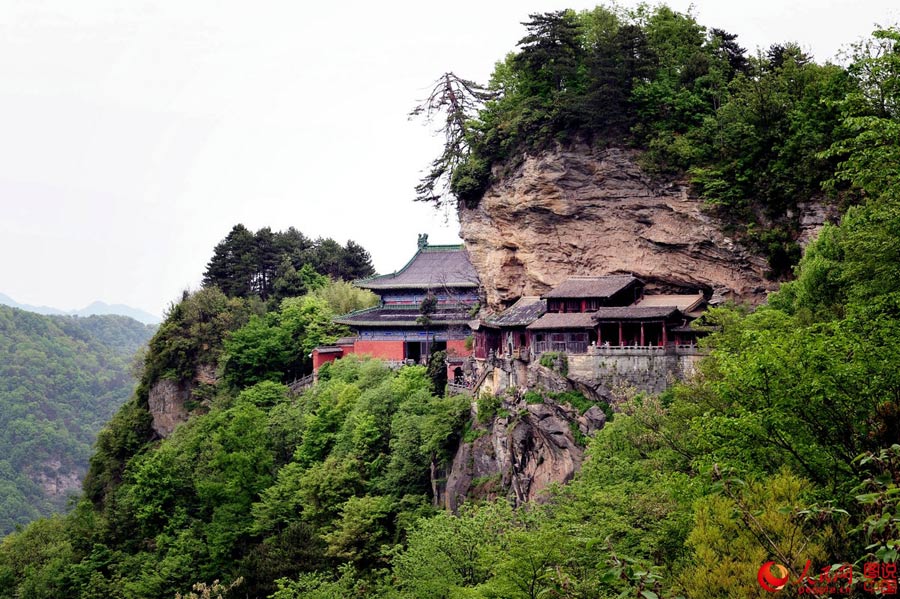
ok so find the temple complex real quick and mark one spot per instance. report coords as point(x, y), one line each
point(431, 304)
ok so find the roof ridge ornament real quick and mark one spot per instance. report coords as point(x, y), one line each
point(423, 240)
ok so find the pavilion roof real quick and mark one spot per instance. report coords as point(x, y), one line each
point(432, 267)
point(684, 302)
point(568, 320)
point(634, 313)
point(405, 316)
point(581, 287)
point(522, 313)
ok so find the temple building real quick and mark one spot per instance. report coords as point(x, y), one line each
point(505, 333)
point(583, 312)
point(587, 294)
point(439, 277)
point(430, 304)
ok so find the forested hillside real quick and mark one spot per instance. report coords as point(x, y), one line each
point(785, 446)
point(61, 379)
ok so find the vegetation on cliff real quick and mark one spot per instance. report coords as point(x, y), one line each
point(244, 336)
point(61, 379)
point(755, 135)
point(785, 447)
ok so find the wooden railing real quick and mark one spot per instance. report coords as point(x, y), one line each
point(568, 347)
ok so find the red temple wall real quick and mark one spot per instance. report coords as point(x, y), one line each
point(385, 350)
point(323, 358)
point(457, 347)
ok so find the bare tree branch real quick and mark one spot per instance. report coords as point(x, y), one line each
point(455, 101)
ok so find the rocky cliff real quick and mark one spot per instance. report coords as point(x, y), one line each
point(523, 450)
point(574, 211)
point(169, 402)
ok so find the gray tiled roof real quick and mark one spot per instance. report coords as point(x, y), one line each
point(432, 267)
point(579, 287)
point(684, 302)
point(525, 311)
point(633, 313)
point(402, 317)
point(569, 320)
point(336, 346)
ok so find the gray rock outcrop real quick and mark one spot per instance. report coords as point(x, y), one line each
point(574, 211)
point(520, 455)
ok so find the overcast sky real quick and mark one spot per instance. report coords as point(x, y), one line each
point(134, 135)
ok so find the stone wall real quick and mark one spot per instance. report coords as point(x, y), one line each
point(613, 372)
point(607, 373)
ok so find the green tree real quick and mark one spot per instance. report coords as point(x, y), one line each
point(232, 267)
point(747, 525)
point(448, 552)
point(550, 54)
point(344, 297)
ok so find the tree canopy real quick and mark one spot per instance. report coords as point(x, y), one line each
point(276, 265)
point(61, 379)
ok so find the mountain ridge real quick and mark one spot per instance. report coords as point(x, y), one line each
point(96, 307)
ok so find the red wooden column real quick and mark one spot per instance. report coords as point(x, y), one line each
point(599, 335)
point(621, 339)
point(584, 305)
point(642, 333)
point(665, 340)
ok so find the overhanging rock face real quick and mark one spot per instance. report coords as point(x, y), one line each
point(572, 211)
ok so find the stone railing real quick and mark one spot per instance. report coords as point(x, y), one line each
point(575, 348)
point(612, 350)
point(690, 350)
point(454, 389)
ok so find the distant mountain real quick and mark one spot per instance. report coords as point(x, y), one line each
point(100, 308)
point(95, 309)
point(8, 301)
point(61, 379)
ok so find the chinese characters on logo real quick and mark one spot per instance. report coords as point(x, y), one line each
point(877, 577)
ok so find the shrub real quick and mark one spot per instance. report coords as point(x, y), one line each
point(487, 408)
point(533, 397)
point(556, 361)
